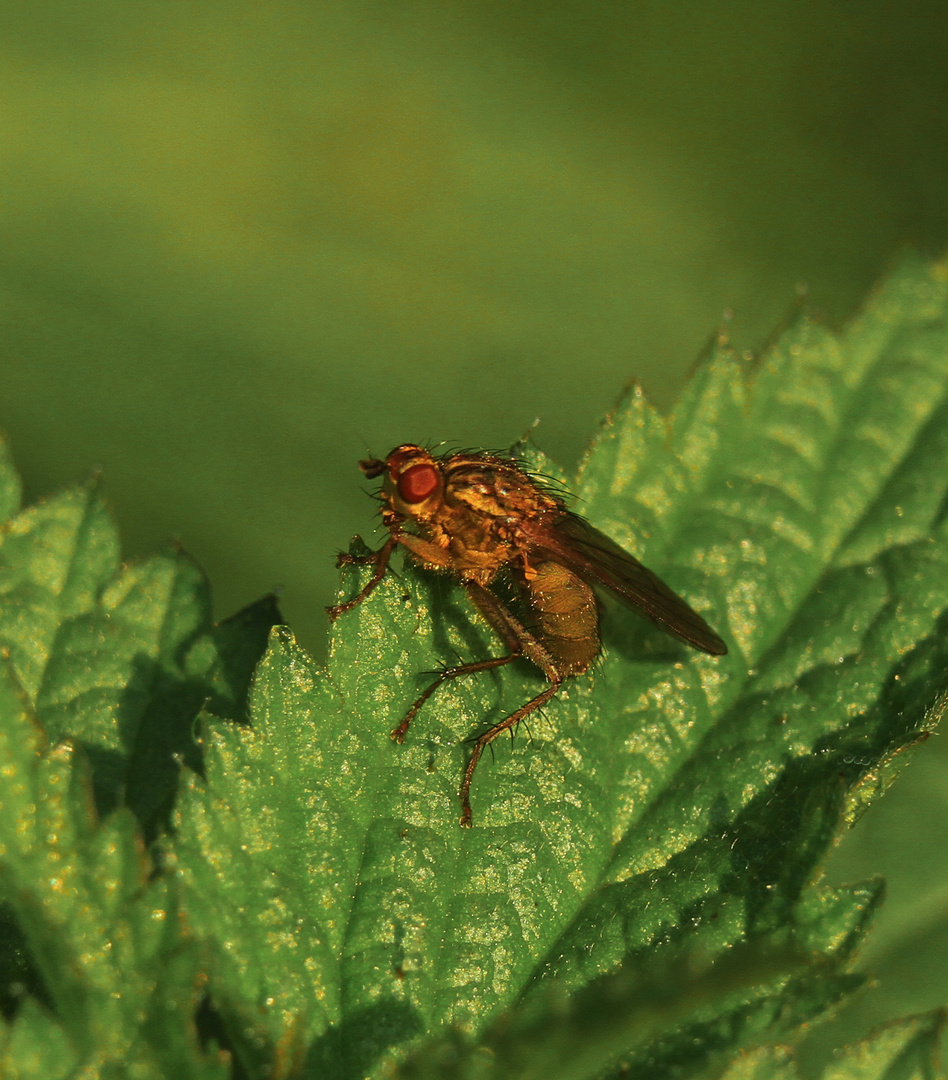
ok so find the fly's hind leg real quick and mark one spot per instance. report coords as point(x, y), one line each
point(522, 643)
point(488, 737)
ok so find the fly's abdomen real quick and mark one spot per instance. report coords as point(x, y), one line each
point(566, 616)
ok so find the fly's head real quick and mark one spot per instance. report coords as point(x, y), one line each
point(412, 483)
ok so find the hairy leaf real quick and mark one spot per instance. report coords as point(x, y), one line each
point(669, 804)
point(640, 894)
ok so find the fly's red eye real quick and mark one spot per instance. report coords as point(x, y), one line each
point(417, 482)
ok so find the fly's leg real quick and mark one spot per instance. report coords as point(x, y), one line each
point(502, 622)
point(426, 553)
point(380, 558)
point(449, 673)
point(488, 737)
point(521, 643)
point(517, 638)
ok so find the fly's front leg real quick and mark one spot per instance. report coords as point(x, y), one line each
point(425, 551)
point(380, 558)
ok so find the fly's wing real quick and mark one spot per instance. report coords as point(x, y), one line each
point(600, 561)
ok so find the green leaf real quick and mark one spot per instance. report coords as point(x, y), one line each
point(121, 978)
point(9, 483)
point(36, 1046)
point(120, 660)
point(669, 804)
point(568, 1037)
point(56, 558)
point(641, 892)
point(903, 1050)
point(103, 672)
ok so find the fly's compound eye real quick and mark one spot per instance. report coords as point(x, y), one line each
point(417, 482)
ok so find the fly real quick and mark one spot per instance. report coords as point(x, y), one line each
point(479, 516)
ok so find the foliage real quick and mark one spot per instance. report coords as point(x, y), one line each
point(641, 889)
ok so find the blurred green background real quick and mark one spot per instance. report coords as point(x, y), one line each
point(241, 243)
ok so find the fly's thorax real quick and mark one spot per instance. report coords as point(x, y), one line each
point(496, 488)
point(475, 541)
point(473, 546)
point(478, 517)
